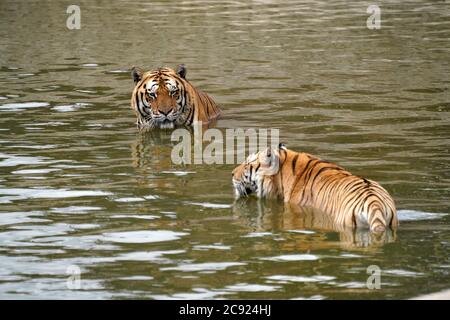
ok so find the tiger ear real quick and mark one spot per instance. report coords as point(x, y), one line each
point(181, 71)
point(271, 162)
point(136, 73)
point(266, 156)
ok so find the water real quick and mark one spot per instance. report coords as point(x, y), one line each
point(82, 189)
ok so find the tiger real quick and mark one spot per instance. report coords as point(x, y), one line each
point(163, 98)
point(308, 181)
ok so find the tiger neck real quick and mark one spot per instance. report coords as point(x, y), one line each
point(272, 186)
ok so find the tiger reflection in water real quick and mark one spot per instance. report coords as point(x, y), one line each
point(150, 156)
point(262, 215)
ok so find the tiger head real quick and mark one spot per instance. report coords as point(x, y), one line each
point(159, 96)
point(254, 175)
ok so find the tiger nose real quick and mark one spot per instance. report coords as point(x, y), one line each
point(165, 113)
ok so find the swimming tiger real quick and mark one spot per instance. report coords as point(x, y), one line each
point(308, 181)
point(163, 98)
